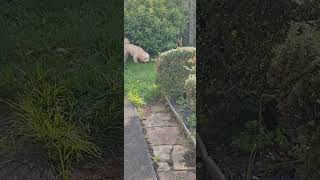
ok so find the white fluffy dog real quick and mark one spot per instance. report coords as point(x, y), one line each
point(136, 52)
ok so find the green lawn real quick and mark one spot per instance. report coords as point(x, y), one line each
point(139, 82)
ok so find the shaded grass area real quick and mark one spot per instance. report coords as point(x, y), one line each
point(140, 88)
point(140, 82)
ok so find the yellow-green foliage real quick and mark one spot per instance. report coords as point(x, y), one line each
point(139, 83)
point(134, 97)
point(39, 118)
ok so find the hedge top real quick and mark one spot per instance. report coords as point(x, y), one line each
point(180, 53)
point(187, 50)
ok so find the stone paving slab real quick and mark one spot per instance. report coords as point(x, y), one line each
point(160, 120)
point(175, 157)
point(183, 158)
point(137, 162)
point(164, 135)
point(161, 115)
point(177, 175)
point(163, 166)
point(158, 107)
point(162, 151)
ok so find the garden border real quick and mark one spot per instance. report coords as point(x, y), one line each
point(186, 130)
point(213, 171)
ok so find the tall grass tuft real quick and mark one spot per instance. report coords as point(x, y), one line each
point(39, 118)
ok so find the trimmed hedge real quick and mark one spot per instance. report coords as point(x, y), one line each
point(190, 89)
point(173, 69)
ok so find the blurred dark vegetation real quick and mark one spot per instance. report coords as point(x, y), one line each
point(61, 82)
point(258, 81)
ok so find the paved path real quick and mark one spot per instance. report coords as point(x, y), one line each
point(170, 148)
point(137, 161)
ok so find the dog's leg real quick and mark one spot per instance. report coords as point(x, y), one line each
point(125, 60)
point(125, 55)
point(135, 59)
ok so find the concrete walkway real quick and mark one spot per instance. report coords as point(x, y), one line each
point(137, 161)
point(175, 158)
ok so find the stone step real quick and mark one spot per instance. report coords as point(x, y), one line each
point(158, 108)
point(163, 166)
point(183, 158)
point(165, 136)
point(176, 159)
point(160, 120)
point(163, 152)
point(177, 175)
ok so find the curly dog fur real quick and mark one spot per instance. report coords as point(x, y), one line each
point(136, 52)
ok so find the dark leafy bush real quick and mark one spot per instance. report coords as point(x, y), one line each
point(235, 97)
point(295, 74)
point(312, 163)
point(235, 48)
point(155, 25)
point(173, 69)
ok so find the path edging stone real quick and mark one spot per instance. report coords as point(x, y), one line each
point(136, 143)
point(185, 129)
point(214, 171)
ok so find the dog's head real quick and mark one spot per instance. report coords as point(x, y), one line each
point(126, 41)
point(146, 58)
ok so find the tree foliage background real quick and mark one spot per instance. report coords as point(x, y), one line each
point(155, 25)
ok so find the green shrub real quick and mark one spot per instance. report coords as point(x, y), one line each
point(235, 57)
point(193, 122)
point(173, 69)
point(191, 92)
point(154, 25)
point(251, 137)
